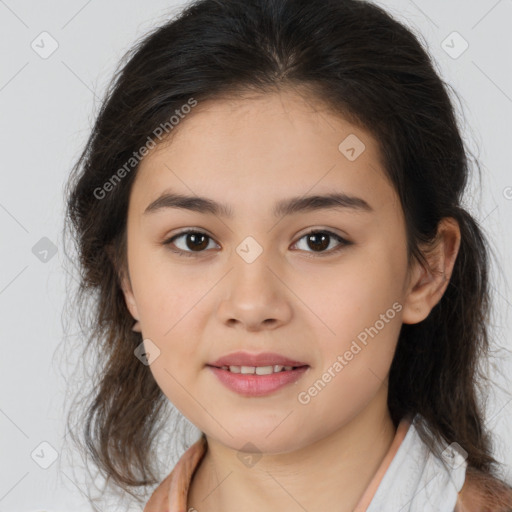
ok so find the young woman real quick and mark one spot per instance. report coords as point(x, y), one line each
point(268, 215)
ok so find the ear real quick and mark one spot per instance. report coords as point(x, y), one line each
point(427, 286)
point(126, 287)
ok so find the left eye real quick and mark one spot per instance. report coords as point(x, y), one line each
point(320, 240)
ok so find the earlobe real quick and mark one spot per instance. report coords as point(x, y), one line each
point(428, 285)
point(416, 306)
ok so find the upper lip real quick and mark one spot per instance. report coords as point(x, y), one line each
point(262, 359)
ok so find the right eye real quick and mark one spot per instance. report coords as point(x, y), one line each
point(194, 240)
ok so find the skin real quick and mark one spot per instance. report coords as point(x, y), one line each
point(249, 153)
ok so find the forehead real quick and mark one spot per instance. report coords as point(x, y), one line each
point(244, 150)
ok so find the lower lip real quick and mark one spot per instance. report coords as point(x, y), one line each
point(257, 385)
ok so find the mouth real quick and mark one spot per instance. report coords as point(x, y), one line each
point(268, 361)
point(257, 374)
point(258, 370)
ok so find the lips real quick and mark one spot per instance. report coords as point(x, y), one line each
point(257, 375)
point(264, 359)
point(258, 385)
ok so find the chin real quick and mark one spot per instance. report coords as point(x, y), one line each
point(260, 437)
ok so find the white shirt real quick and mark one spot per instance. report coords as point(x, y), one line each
point(419, 481)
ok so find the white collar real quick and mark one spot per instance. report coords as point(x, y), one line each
point(419, 481)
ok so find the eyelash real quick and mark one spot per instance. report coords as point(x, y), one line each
point(188, 254)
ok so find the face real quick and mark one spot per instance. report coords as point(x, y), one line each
point(259, 282)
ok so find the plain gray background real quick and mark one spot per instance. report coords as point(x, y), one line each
point(48, 104)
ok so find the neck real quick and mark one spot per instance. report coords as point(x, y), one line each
point(335, 469)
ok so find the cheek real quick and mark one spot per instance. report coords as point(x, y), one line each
point(166, 295)
point(169, 323)
point(344, 300)
point(168, 303)
point(353, 372)
point(360, 321)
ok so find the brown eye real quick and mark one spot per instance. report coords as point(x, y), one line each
point(194, 242)
point(319, 240)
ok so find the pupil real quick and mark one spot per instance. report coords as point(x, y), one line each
point(194, 237)
point(324, 237)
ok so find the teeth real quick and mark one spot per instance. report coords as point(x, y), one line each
point(258, 370)
point(264, 370)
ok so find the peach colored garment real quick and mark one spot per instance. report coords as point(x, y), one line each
point(171, 494)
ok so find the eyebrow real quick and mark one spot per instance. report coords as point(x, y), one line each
point(283, 207)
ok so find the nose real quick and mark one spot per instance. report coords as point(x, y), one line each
point(256, 297)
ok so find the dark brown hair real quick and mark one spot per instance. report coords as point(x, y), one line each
point(372, 70)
